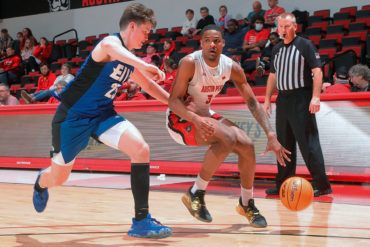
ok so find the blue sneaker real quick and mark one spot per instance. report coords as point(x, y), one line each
point(40, 199)
point(149, 228)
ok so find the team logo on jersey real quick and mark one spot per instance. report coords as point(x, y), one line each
point(120, 73)
point(188, 128)
point(59, 5)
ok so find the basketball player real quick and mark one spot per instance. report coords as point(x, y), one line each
point(87, 110)
point(202, 75)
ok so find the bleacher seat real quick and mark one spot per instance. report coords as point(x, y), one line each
point(327, 43)
point(325, 14)
point(354, 27)
point(344, 23)
point(341, 16)
point(313, 19)
point(350, 10)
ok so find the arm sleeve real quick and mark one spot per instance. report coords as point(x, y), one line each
point(311, 55)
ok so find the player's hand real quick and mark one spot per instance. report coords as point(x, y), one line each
point(273, 145)
point(205, 127)
point(314, 105)
point(267, 108)
point(154, 73)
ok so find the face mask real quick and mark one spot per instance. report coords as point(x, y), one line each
point(276, 23)
point(259, 26)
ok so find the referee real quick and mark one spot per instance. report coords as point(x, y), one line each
point(294, 61)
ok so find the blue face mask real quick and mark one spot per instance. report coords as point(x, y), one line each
point(276, 23)
point(259, 26)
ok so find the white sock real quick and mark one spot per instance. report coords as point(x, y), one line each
point(199, 184)
point(246, 195)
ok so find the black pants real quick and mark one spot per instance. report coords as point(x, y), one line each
point(294, 123)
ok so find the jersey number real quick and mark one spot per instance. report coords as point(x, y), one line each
point(112, 93)
point(210, 96)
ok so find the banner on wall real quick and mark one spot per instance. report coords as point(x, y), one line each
point(18, 8)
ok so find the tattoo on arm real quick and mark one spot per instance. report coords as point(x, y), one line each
point(258, 113)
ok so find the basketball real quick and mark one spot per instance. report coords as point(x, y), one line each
point(296, 193)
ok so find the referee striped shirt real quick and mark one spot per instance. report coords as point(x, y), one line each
point(293, 63)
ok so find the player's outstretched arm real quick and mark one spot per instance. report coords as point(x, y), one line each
point(110, 49)
point(150, 86)
point(238, 77)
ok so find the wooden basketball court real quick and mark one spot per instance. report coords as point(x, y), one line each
point(100, 215)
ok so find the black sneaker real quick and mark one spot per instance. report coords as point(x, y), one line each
point(317, 192)
point(196, 205)
point(252, 213)
point(272, 191)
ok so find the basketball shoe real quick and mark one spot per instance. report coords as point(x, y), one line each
point(196, 205)
point(149, 228)
point(40, 195)
point(252, 213)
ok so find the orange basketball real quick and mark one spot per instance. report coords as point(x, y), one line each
point(296, 193)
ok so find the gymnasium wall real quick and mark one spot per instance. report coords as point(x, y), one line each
point(170, 13)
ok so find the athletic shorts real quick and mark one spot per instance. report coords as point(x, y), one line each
point(71, 132)
point(182, 131)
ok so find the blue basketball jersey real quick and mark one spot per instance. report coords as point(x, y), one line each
point(95, 86)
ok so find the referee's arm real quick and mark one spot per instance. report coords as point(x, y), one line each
point(317, 86)
point(271, 85)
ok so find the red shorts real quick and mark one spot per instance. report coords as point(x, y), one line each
point(183, 131)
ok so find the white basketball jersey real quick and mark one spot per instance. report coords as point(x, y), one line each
point(207, 81)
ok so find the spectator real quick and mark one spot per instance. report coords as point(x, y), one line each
point(18, 44)
point(170, 68)
point(60, 85)
point(66, 75)
point(5, 42)
point(9, 68)
point(168, 48)
point(341, 82)
point(133, 93)
point(26, 53)
point(190, 24)
point(46, 80)
point(5, 97)
point(151, 50)
point(256, 38)
point(257, 10)
point(207, 19)
point(156, 60)
point(222, 21)
point(263, 63)
point(360, 77)
point(27, 34)
point(41, 54)
point(273, 12)
point(233, 38)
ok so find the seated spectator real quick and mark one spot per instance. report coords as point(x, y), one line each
point(168, 48)
point(257, 10)
point(10, 67)
point(170, 68)
point(340, 80)
point(26, 53)
point(263, 63)
point(55, 99)
point(273, 13)
point(133, 93)
point(5, 42)
point(18, 44)
point(66, 75)
point(360, 77)
point(256, 38)
point(41, 54)
point(190, 24)
point(156, 61)
point(5, 97)
point(233, 38)
point(27, 34)
point(46, 80)
point(207, 19)
point(224, 18)
point(151, 50)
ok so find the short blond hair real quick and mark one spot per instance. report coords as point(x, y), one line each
point(286, 16)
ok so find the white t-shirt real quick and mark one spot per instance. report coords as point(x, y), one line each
point(188, 24)
point(66, 78)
